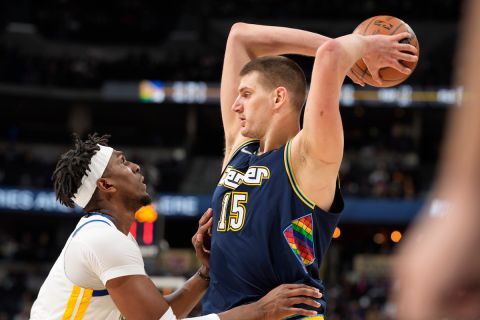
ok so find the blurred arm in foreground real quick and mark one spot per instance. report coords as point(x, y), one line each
point(437, 272)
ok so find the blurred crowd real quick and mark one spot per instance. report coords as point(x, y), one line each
point(81, 45)
point(25, 258)
point(382, 167)
point(91, 71)
point(359, 299)
point(138, 19)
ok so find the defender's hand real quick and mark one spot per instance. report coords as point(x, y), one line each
point(387, 51)
point(201, 239)
point(280, 302)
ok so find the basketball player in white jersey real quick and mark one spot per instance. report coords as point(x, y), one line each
point(100, 272)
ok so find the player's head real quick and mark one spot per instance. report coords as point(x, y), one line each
point(94, 176)
point(268, 85)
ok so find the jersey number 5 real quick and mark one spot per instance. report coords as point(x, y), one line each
point(234, 203)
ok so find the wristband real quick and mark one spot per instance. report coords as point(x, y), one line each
point(202, 276)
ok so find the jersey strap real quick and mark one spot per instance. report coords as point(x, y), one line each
point(291, 177)
point(83, 225)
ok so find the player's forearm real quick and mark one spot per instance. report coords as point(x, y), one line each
point(186, 298)
point(262, 40)
point(245, 312)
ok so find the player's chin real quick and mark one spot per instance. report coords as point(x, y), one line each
point(247, 134)
point(145, 199)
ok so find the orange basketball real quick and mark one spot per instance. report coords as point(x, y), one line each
point(385, 25)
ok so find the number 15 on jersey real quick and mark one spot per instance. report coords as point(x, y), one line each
point(234, 212)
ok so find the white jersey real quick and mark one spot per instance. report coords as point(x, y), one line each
point(95, 252)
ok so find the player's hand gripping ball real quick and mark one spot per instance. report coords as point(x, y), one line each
point(385, 25)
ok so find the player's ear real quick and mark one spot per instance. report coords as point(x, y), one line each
point(105, 185)
point(280, 96)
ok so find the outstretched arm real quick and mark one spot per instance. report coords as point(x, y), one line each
point(138, 298)
point(245, 43)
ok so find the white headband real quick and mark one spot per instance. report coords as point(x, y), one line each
point(95, 170)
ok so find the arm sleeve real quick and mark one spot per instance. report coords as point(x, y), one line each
point(102, 253)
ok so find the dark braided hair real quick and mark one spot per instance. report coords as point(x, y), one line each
point(73, 165)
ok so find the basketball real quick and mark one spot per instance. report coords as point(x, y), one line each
point(386, 25)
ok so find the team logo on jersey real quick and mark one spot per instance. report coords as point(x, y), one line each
point(299, 236)
point(254, 176)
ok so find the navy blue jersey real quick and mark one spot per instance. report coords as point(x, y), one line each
point(266, 232)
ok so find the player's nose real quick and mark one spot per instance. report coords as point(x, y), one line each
point(237, 106)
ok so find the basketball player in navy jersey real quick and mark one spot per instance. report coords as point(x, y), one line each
point(278, 201)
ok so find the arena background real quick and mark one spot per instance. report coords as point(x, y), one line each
point(148, 73)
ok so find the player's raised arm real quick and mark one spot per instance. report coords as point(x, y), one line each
point(317, 150)
point(245, 43)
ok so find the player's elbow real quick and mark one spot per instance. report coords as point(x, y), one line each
point(238, 32)
point(331, 50)
point(331, 54)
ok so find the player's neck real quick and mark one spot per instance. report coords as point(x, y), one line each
point(277, 135)
point(121, 217)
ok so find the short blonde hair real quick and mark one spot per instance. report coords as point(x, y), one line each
point(278, 71)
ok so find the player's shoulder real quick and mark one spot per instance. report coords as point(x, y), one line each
point(100, 240)
point(95, 229)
